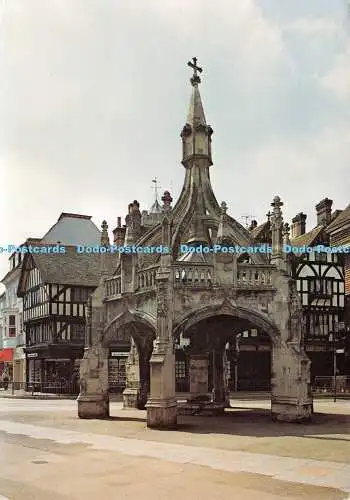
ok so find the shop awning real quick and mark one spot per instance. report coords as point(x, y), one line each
point(6, 355)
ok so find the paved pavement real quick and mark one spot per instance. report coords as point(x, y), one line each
point(46, 452)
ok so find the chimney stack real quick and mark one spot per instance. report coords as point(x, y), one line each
point(299, 225)
point(119, 233)
point(324, 212)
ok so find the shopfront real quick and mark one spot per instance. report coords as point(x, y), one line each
point(117, 369)
point(52, 370)
point(6, 362)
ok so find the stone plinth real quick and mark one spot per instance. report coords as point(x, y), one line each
point(162, 404)
point(161, 414)
point(199, 374)
point(94, 406)
point(201, 408)
point(132, 369)
point(131, 398)
point(288, 410)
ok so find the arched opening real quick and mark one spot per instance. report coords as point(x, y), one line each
point(129, 342)
point(239, 341)
point(118, 344)
point(249, 356)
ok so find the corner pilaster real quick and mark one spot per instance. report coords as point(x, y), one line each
point(93, 400)
point(162, 405)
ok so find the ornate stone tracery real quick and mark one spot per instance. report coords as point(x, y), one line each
point(156, 299)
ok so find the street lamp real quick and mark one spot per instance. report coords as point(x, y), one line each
point(237, 339)
point(333, 339)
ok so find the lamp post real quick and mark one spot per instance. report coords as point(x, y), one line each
point(339, 327)
point(238, 337)
point(333, 340)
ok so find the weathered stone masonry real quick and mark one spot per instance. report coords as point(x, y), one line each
point(205, 297)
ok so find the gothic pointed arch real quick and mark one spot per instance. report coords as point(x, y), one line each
point(127, 318)
point(256, 318)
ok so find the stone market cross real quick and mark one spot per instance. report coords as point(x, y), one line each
point(153, 299)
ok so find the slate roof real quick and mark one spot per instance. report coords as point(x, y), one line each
point(73, 229)
point(258, 230)
point(342, 218)
point(70, 268)
point(156, 208)
point(308, 238)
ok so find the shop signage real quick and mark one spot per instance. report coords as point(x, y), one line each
point(32, 355)
point(117, 354)
point(317, 348)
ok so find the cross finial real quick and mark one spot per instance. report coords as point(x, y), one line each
point(155, 187)
point(195, 80)
point(277, 203)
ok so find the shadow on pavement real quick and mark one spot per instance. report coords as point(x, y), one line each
point(258, 423)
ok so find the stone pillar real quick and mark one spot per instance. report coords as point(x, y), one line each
point(199, 374)
point(227, 372)
point(144, 363)
point(131, 391)
point(291, 397)
point(277, 257)
point(162, 405)
point(93, 400)
point(220, 383)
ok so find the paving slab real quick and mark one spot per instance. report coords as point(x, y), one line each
point(334, 475)
point(246, 430)
point(62, 457)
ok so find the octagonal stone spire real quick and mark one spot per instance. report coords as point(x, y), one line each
point(196, 134)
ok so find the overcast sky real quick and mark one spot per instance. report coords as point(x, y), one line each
point(94, 94)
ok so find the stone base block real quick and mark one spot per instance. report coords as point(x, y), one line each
point(131, 398)
point(93, 406)
point(291, 412)
point(161, 414)
point(208, 409)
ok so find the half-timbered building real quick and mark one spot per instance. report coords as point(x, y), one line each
point(339, 234)
point(55, 289)
point(322, 285)
point(320, 281)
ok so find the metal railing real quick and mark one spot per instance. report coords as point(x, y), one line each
point(58, 388)
point(330, 385)
point(70, 388)
point(34, 387)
